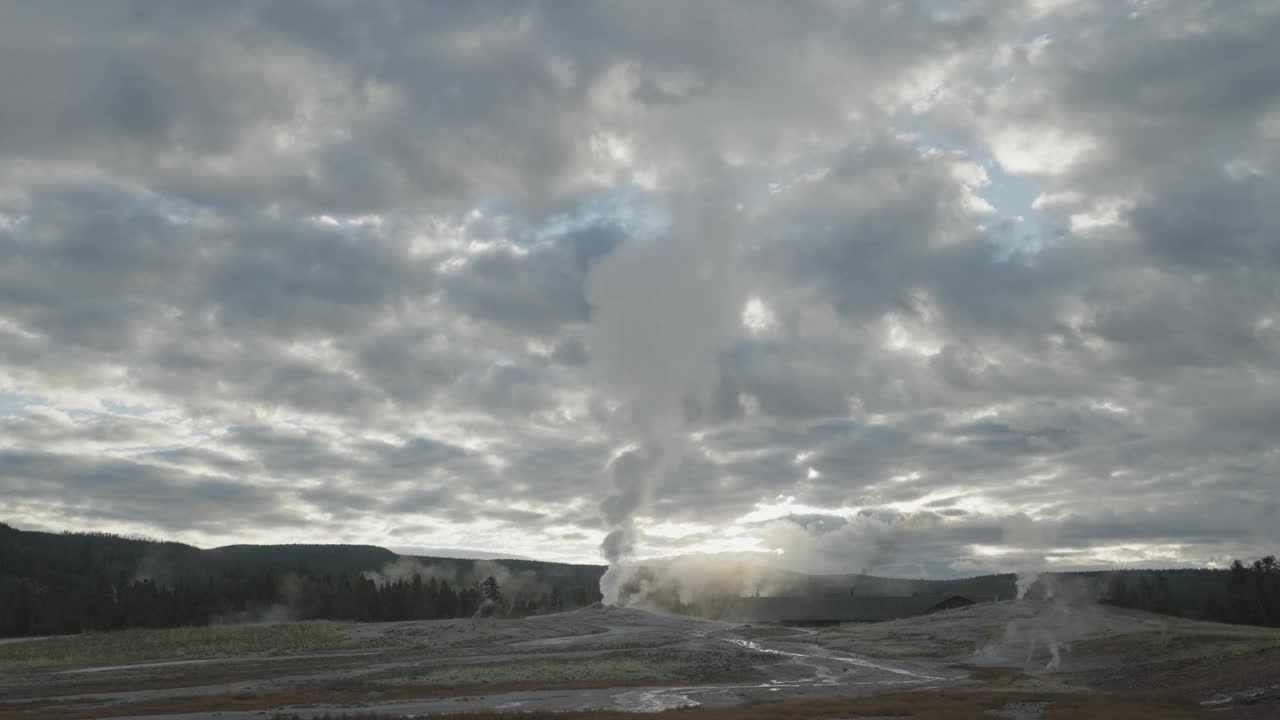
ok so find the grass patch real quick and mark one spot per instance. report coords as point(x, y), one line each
point(989, 634)
point(896, 642)
point(138, 646)
point(1015, 680)
point(1190, 641)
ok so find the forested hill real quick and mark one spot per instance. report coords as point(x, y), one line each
point(54, 583)
point(69, 582)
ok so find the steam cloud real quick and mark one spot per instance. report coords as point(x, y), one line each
point(828, 545)
point(1052, 611)
point(514, 585)
point(1033, 539)
point(662, 308)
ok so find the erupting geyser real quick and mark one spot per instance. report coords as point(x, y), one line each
point(661, 310)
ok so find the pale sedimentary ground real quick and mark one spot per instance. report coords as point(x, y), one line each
point(604, 658)
point(595, 658)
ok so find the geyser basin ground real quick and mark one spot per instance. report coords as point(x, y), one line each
point(961, 663)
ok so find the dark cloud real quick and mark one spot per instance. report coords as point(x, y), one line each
point(433, 502)
point(1211, 225)
point(122, 490)
point(414, 455)
point(535, 290)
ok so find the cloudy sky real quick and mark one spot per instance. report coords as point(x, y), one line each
point(925, 288)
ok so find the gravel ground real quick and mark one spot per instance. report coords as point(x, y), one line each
point(604, 658)
point(1022, 711)
point(594, 658)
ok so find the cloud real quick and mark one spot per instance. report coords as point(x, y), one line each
point(125, 491)
point(415, 274)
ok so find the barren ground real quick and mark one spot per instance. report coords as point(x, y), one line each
point(992, 660)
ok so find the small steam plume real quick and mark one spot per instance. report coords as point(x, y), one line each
point(289, 594)
point(1022, 531)
point(1055, 612)
point(1052, 611)
point(161, 565)
point(469, 574)
point(661, 310)
point(1033, 540)
point(157, 565)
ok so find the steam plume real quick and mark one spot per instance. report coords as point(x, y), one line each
point(662, 308)
point(629, 473)
point(1033, 540)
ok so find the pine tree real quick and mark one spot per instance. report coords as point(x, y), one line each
point(490, 591)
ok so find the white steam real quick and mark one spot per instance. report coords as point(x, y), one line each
point(515, 584)
point(701, 585)
point(661, 310)
point(861, 542)
point(1033, 540)
point(629, 474)
point(1054, 611)
point(831, 545)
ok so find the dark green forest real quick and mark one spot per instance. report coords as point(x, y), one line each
point(53, 584)
point(1244, 595)
point(61, 583)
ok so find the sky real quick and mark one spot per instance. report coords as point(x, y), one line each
point(924, 289)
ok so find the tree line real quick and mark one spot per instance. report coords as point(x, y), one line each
point(28, 609)
point(69, 583)
point(1249, 595)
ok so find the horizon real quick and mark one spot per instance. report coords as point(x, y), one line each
point(760, 559)
point(921, 289)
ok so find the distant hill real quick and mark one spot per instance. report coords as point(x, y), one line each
point(53, 583)
point(662, 585)
point(49, 557)
point(66, 582)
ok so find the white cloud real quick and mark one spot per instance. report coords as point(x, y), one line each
point(1037, 150)
point(422, 293)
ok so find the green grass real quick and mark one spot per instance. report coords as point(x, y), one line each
point(136, 646)
point(1188, 639)
point(900, 642)
point(988, 634)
